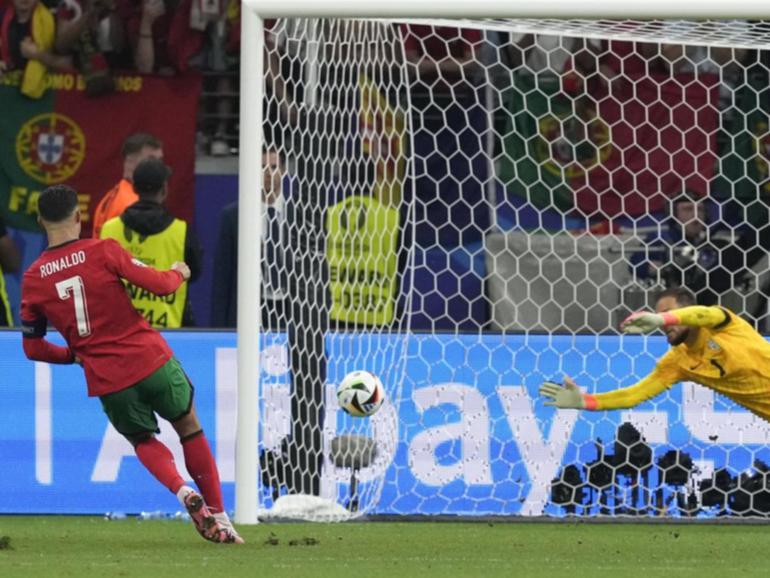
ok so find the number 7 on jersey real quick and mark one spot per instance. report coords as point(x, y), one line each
point(73, 286)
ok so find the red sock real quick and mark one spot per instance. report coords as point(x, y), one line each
point(203, 469)
point(158, 459)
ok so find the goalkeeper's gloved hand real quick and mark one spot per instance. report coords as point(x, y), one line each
point(645, 322)
point(567, 396)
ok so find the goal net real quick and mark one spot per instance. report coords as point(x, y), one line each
point(469, 208)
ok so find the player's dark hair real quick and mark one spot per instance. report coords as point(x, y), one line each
point(136, 142)
point(56, 203)
point(684, 297)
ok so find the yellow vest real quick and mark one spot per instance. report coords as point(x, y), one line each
point(361, 249)
point(159, 251)
point(6, 304)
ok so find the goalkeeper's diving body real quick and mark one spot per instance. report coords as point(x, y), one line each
point(710, 345)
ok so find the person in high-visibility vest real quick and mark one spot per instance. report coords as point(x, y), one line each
point(136, 148)
point(156, 238)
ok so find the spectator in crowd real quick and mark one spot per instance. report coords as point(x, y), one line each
point(690, 252)
point(136, 148)
point(10, 261)
point(27, 35)
point(443, 53)
point(224, 295)
point(222, 57)
point(147, 53)
point(152, 235)
point(161, 33)
point(93, 33)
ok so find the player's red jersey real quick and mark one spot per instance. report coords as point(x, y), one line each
point(77, 288)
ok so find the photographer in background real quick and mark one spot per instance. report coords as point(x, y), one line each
point(689, 251)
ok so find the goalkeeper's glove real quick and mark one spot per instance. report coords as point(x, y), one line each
point(567, 396)
point(645, 322)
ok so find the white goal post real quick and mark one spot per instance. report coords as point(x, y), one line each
point(251, 211)
point(589, 9)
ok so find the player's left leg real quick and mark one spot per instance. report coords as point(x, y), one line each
point(134, 419)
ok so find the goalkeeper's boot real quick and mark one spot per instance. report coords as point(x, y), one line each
point(232, 535)
point(203, 518)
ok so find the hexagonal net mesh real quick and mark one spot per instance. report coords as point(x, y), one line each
point(467, 209)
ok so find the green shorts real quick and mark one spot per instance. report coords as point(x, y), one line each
point(167, 392)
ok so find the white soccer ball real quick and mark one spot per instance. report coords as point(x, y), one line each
point(360, 393)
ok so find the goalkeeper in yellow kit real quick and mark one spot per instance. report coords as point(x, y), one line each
point(710, 345)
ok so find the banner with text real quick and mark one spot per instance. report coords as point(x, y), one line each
point(471, 435)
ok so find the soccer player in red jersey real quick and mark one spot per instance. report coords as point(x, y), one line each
point(75, 285)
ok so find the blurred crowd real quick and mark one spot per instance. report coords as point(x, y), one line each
point(96, 37)
point(101, 38)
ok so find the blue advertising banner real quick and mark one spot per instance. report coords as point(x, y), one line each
point(463, 431)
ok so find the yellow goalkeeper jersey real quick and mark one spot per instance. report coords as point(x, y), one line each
point(729, 357)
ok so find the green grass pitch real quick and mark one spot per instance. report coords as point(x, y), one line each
point(90, 546)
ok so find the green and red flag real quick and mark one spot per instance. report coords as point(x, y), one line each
point(68, 137)
point(621, 154)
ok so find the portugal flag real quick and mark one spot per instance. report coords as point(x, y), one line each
point(621, 154)
point(67, 137)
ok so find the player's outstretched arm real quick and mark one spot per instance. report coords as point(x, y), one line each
point(569, 396)
point(693, 316)
point(126, 267)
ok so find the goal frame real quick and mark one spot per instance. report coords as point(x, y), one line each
point(251, 142)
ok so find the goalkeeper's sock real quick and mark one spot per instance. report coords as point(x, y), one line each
point(203, 469)
point(159, 460)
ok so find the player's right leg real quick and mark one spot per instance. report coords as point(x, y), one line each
point(173, 400)
point(201, 465)
point(205, 521)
